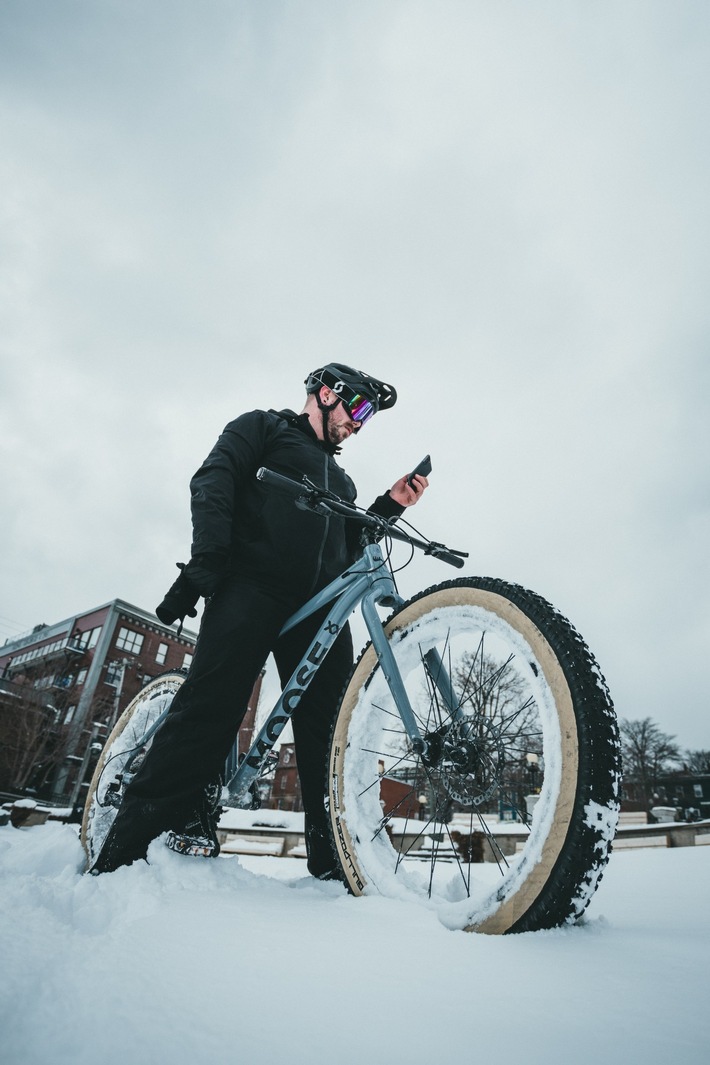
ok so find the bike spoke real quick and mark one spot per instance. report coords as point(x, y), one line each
point(479, 718)
point(494, 845)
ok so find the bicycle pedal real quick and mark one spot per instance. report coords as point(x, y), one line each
point(191, 846)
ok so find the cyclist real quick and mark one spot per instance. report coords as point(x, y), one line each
point(256, 558)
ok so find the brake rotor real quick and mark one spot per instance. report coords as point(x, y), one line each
point(472, 760)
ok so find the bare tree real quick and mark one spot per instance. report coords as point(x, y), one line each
point(498, 695)
point(32, 739)
point(505, 716)
point(647, 753)
point(697, 762)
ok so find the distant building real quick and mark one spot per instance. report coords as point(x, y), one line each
point(688, 793)
point(63, 686)
point(396, 796)
point(245, 737)
point(286, 788)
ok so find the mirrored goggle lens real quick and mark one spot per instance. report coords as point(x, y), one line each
point(360, 409)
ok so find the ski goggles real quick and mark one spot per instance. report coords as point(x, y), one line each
point(359, 407)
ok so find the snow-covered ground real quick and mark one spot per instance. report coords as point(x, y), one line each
point(248, 959)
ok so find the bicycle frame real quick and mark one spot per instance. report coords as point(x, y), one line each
point(368, 583)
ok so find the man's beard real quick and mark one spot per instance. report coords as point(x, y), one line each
point(337, 432)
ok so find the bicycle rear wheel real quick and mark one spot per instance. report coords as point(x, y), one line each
point(121, 757)
point(505, 823)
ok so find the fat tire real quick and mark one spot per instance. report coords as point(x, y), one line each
point(98, 818)
point(579, 839)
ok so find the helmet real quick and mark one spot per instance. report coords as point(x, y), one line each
point(336, 376)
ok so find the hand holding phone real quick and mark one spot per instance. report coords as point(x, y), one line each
point(423, 469)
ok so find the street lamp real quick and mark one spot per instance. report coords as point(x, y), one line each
point(533, 763)
point(533, 768)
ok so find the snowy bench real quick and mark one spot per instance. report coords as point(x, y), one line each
point(671, 834)
point(273, 846)
point(23, 813)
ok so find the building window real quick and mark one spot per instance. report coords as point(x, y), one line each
point(114, 671)
point(130, 641)
point(162, 653)
point(187, 661)
point(698, 791)
point(81, 676)
point(86, 640)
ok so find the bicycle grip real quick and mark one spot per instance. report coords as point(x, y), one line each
point(453, 560)
point(283, 484)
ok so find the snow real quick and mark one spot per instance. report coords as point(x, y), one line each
point(248, 959)
point(268, 820)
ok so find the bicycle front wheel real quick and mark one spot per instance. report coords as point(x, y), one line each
point(121, 757)
point(504, 823)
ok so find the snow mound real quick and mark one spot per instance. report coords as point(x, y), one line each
point(191, 960)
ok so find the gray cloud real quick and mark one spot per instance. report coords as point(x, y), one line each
point(501, 208)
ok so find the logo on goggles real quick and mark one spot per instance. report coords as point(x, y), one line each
point(358, 406)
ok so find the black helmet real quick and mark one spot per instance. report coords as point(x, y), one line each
point(336, 376)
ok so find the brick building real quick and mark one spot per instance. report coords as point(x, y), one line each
point(398, 796)
point(63, 686)
point(688, 793)
point(286, 787)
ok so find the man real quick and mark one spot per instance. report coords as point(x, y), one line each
point(256, 558)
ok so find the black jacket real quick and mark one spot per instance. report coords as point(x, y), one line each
point(259, 531)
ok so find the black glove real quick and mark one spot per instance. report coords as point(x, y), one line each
point(206, 572)
point(202, 575)
point(179, 601)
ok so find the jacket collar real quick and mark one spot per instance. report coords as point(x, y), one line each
point(301, 422)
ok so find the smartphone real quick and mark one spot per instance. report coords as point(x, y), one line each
point(424, 468)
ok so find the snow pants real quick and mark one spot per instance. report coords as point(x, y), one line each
point(240, 627)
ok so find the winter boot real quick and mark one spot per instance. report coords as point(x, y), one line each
point(198, 836)
point(125, 843)
point(322, 861)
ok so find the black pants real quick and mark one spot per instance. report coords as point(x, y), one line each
point(239, 629)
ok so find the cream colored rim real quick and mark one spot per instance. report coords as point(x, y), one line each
point(514, 907)
point(172, 680)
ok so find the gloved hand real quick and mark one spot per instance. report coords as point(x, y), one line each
point(179, 601)
point(206, 572)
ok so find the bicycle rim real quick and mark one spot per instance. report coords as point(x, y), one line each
point(121, 757)
point(507, 823)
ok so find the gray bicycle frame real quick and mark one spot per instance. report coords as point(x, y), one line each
point(369, 583)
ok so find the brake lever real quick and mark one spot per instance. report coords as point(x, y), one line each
point(446, 554)
point(316, 506)
point(433, 547)
point(316, 490)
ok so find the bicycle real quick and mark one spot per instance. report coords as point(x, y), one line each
point(473, 700)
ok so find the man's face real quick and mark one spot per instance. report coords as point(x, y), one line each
point(340, 425)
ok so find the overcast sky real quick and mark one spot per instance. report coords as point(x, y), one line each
point(500, 207)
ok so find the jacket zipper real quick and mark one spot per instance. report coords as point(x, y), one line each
point(324, 538)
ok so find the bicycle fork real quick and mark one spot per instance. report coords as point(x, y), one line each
point(434, 665)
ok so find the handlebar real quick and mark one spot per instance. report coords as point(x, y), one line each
point(309, 496)
point(297, 489)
